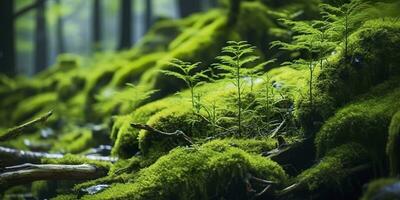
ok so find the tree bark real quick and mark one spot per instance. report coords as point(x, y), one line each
point(187, 7)
point(96, 23)
point(27, 173)
point(125, 24)
point(234, 11)
point(60, 31)
point(7, 40)
point(40, 38)
point(149, 15)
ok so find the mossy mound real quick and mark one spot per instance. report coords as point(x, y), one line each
point(393, 144)
point(176, 113)
point(373, 59)
point(332, 176)
point(214, 170)
point(366, 121)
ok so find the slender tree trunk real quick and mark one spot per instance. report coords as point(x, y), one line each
point(40, 39)
point(96, 25)
point(234, 11)
point(7, 40)
point(126, 25)
point(60, 31)
point(149, 15)
point(187, 7)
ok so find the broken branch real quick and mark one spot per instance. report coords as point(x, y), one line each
point(21, 128)
point(30, 172)
point(151, 129)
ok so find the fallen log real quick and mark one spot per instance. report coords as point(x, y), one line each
point(27, 173)
point(9, 156)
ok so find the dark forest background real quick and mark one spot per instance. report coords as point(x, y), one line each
point(34, 32)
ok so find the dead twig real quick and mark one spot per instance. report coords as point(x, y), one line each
point(11, 133)
point(151, 129)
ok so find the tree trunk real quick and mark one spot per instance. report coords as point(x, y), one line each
point(7, 40)
point(187, 7)
point(149, 14)
point(40, 39)
point(234, 11)
point(96, 25)
point(60, 31)
point(126, 25)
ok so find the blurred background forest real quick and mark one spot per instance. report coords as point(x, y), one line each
point(35, 32)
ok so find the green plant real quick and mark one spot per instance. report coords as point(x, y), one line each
point(305, 41)
point(236, 56)
point(186, 72)
point(342, 20)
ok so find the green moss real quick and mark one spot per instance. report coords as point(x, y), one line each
point(70, 159)
point(374, 187)
point(126, 138)
point(65, 197)
point(196, 174)
point(202, 46)
point(74, 141)
point(365, 121)
point(334, 168)
point(134, 69)
point(374, 59)
point(33, 105)
point(393, 144)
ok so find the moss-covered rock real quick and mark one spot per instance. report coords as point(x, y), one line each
point(331, 176)
point(374, 59)
point(365, 121)
point(199, 173)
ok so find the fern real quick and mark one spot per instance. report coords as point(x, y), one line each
point(236, 55)
point(341, 21)
point(186, 72)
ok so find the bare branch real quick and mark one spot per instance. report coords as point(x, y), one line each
point(10, 157)
point(11, 133)
point(151, 129)
point(30, 172)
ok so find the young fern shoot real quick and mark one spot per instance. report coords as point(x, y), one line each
point(343, 20)
point(236, 56)
point(186, 72)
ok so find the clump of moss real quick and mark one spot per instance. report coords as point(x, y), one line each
point(125, 137)
point(393, 144)
point(365, 121)
point(33, 105)
point(376, 189)
point(203, 173)
point(331, 174)
point(373, 60)
point(74, 141)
